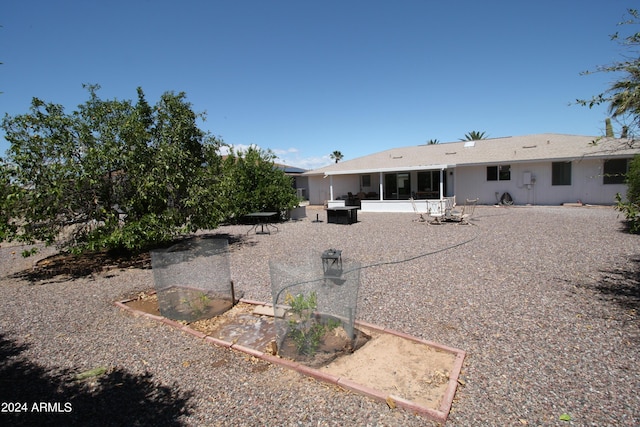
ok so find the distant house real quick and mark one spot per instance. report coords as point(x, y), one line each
point(299, 181)
point(543, 169)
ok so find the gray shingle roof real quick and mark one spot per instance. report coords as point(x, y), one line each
point(513, 149)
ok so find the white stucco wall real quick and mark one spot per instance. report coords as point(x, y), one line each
point(318, 190)
point(471, 182)
point(586, 185)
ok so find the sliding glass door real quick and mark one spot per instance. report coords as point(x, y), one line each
point(397, 186)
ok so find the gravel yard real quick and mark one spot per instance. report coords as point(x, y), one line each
point(544, 300)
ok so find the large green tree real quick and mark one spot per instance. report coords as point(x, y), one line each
point(115, 174)
point(623, 100)
point(252, 182)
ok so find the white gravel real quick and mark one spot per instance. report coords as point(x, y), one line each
point(544, 300)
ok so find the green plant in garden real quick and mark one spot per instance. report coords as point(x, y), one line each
point(197, 305)
point(305, 328)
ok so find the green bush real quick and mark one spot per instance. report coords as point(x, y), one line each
point(631, 207)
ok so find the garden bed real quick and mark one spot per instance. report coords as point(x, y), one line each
point(399, 369)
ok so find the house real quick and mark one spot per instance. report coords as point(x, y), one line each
point(299, 181)
point(542, 169)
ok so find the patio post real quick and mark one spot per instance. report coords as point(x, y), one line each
point(330, 187)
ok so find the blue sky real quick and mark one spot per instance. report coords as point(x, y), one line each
point(305, 78)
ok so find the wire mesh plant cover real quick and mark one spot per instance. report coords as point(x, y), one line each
point(193, 279)
point(316, 309)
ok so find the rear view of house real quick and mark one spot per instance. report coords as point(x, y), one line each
point(543, 169)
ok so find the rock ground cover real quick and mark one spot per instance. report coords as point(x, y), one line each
point(544, 300)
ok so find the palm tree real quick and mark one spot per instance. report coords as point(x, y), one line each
point(474, 136)
point(336, 155)
point(433, 141)
point(625, 98)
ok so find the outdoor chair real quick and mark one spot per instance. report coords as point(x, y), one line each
point(435, 210)
point(462, 216)
point(449, 205)
point(421, 217)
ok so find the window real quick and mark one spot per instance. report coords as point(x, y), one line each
point(366, 180)
point(504, 173)
point(501, 173)
point(561, 173)
point(615, 171)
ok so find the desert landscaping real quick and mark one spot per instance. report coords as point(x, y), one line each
point(543, 300)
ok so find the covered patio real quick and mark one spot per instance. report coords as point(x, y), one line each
point(392, 189)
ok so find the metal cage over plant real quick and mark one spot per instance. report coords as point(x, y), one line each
point(315, 300)
point(193, 279)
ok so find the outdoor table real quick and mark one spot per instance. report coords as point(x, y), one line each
point(342, 215)
point(261, 219)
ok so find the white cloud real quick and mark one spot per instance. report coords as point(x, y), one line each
point(280, 152)
point(290, 156)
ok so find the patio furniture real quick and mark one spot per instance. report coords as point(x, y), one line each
point(342, 215)
point(352, 200)
point(449, 205)
point(261, 219)
point(462, 216)
point(436, 210)
point(421, 217)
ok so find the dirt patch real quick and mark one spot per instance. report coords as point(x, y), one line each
point(189, 305)
point(146, 303)
point(66, 265)
point(398, 366)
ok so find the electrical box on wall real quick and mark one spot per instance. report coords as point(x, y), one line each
point(526, 178)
